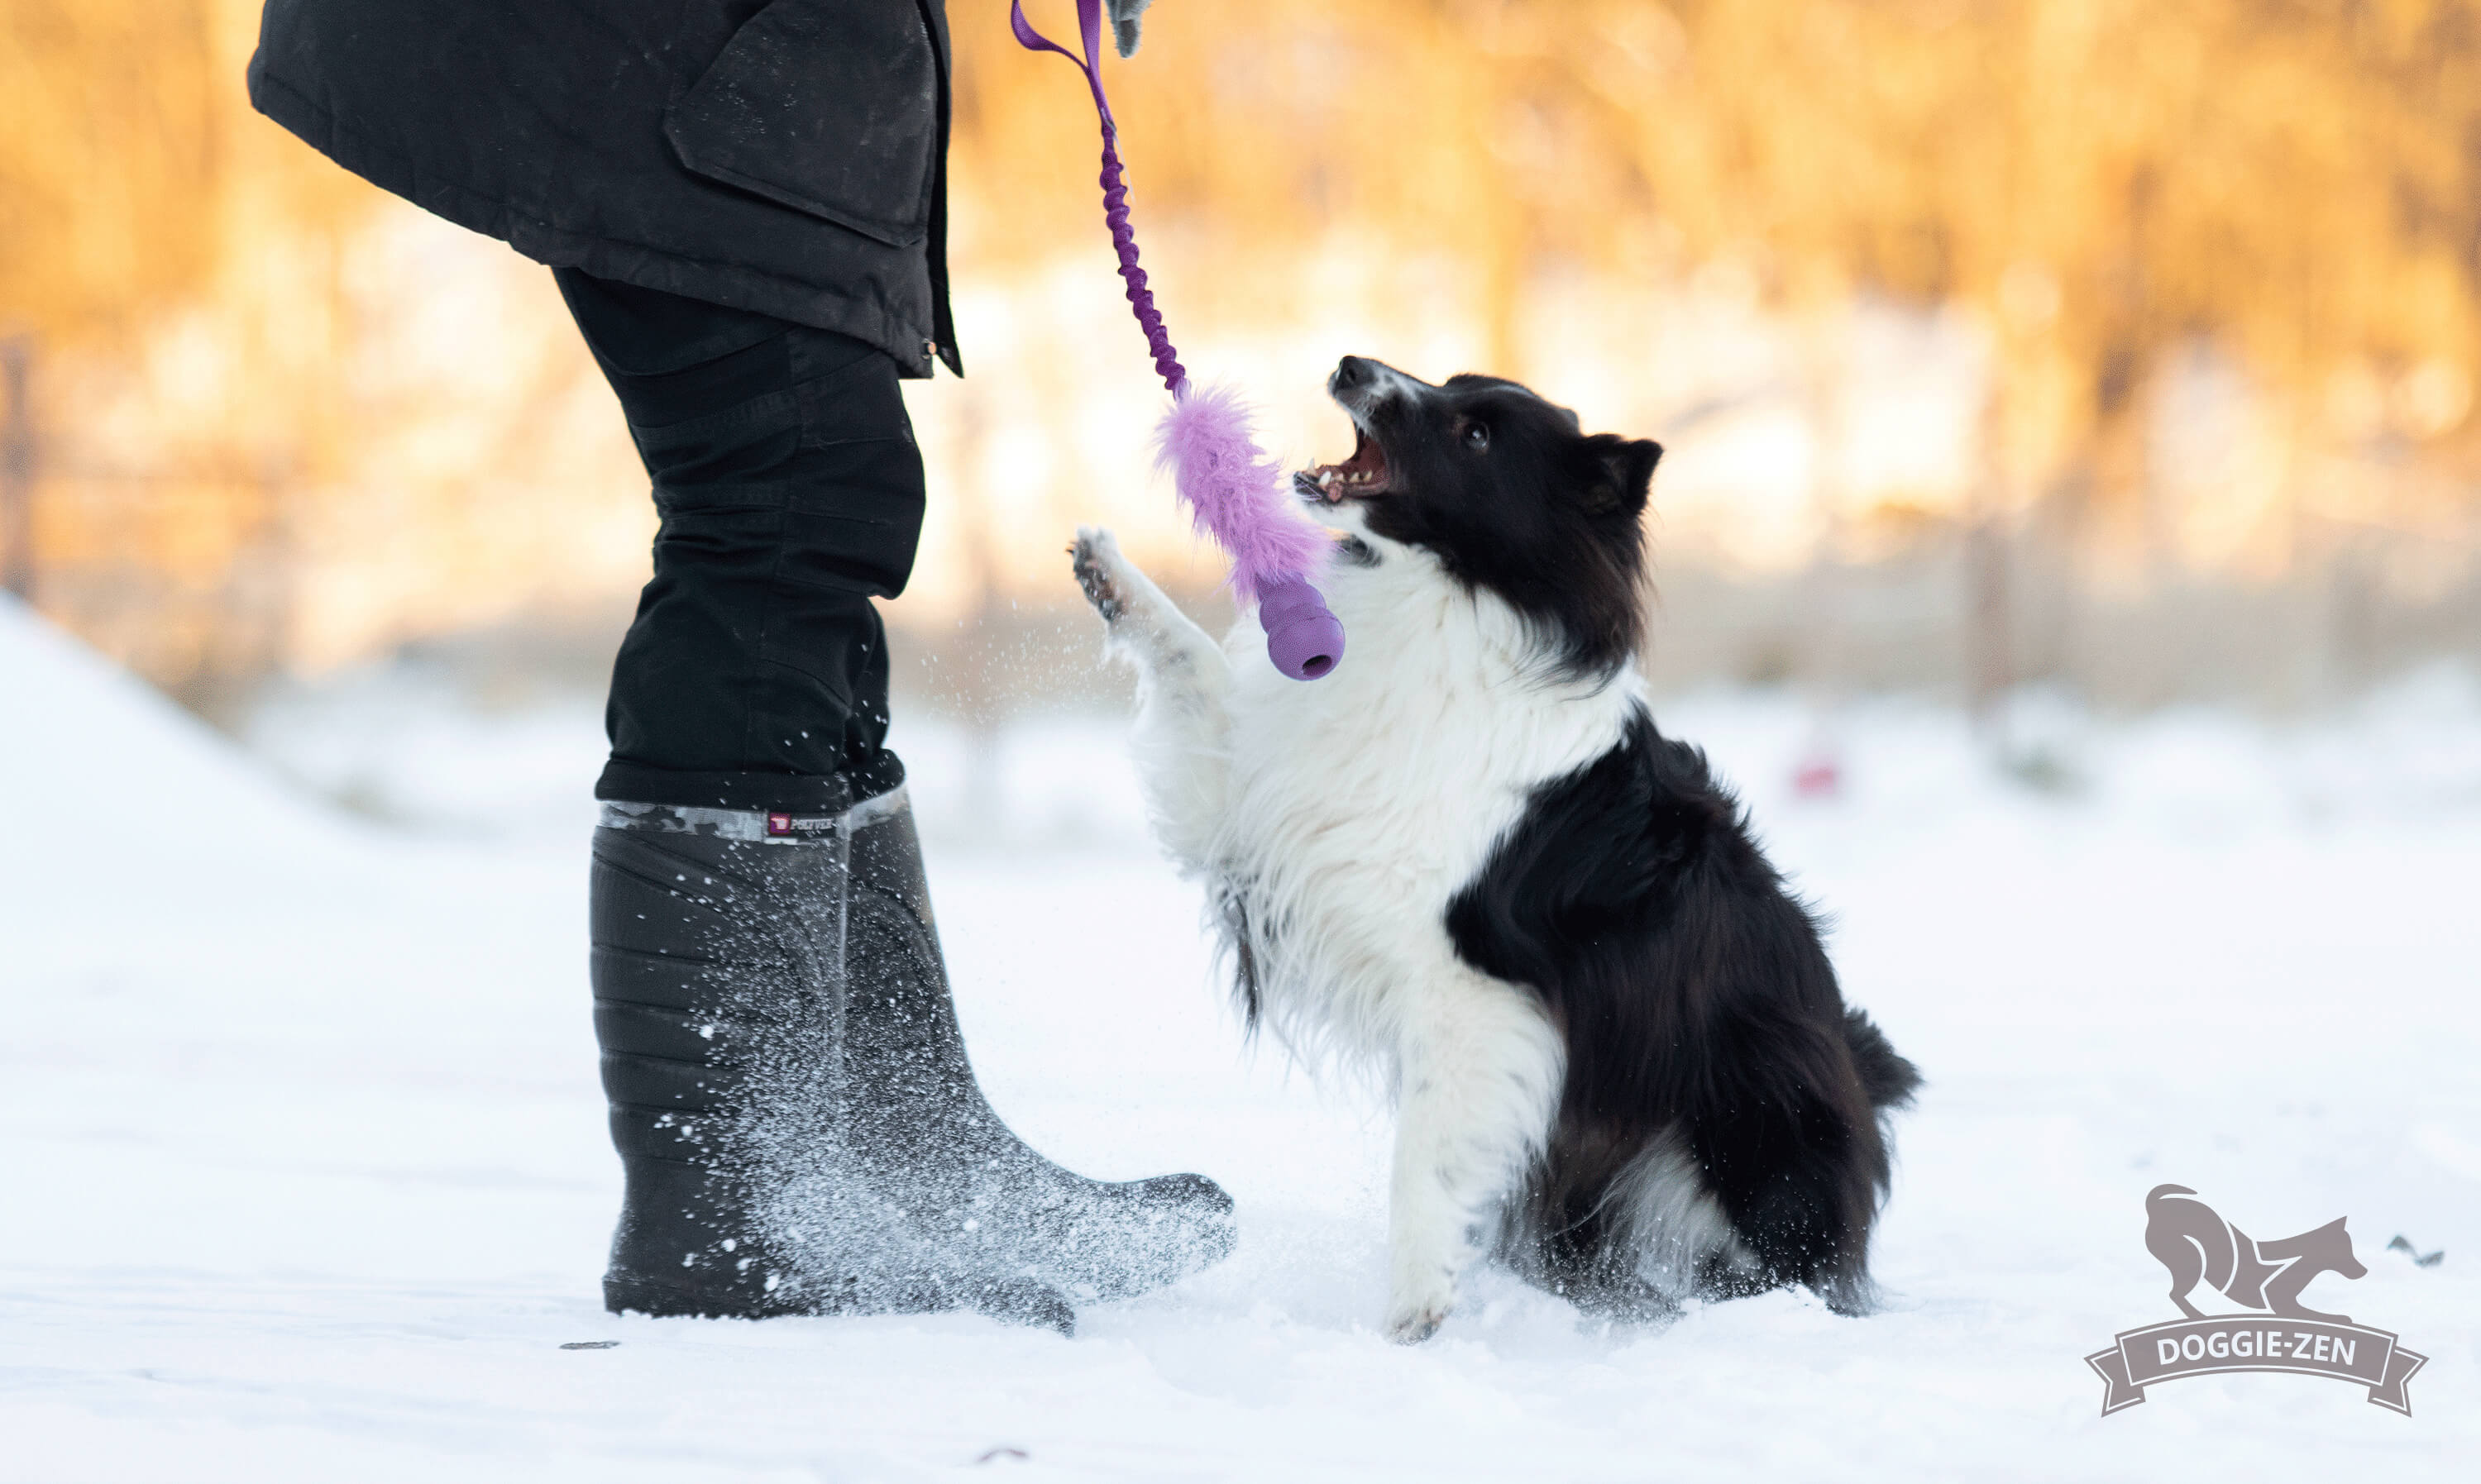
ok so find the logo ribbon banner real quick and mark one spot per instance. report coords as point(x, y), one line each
point(2139, 1358)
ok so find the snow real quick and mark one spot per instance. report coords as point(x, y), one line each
point(309, 1177)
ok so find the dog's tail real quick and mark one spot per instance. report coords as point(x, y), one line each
point(1889, 1080)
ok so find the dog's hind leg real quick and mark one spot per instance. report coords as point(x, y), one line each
point(1183, 727)
point(1478, 1074)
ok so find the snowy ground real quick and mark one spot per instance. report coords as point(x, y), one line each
point(309, 1177)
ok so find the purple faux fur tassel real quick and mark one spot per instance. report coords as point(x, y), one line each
point(1233, 490)
point(1236, 494)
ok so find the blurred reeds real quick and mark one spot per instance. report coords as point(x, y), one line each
point(2126, 343)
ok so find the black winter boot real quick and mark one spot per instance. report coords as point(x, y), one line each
point(799, 1128)
point(931, 1135)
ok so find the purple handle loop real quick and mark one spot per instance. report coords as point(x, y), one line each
point(1090, 22)
point(1304, 638)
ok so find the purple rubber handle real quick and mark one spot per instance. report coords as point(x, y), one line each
point(1304, 639)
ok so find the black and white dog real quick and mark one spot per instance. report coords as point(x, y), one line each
point(1468, 861)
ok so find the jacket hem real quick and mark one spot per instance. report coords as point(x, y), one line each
point(731, 285)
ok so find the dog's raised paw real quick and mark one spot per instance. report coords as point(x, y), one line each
point(1095, 558)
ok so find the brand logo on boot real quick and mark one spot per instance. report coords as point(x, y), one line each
point(787, 829)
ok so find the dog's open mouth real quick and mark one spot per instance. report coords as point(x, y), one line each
point(1365, 473)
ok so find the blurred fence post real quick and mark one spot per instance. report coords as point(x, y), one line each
point(1986, 676)
point(18, 467)
point(1988, 648)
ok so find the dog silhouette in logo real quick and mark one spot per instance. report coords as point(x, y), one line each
point(2195, 1244)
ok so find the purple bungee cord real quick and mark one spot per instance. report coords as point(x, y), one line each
point(1233, 490)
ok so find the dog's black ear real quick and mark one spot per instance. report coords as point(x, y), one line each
point(1623, 473)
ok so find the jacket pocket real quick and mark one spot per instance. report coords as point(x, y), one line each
point(830, 107)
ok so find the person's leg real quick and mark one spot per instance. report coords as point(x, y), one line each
point(791, 1097)
point(791, 493)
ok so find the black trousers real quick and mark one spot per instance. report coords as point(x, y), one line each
point(791, 492)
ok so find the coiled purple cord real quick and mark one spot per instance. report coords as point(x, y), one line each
point(1124, 240)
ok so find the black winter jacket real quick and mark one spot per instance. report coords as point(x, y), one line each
point(787, 156)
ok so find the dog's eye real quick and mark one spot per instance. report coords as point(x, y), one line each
point(1477, 437)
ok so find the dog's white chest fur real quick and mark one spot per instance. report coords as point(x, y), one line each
point(1334, 821)
point(1360, 804)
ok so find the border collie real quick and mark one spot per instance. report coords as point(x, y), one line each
point(1469, 862)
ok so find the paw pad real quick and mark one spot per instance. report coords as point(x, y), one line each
point(1089, 560)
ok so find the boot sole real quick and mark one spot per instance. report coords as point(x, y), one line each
point(1017, 1301)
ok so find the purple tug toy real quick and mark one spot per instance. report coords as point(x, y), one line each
point(1233, 490)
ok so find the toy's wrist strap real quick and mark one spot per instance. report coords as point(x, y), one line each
point(1090, 22)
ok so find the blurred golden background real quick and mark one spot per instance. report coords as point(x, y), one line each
point(2129, 345)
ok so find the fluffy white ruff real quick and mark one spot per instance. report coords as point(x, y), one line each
point(1343, 816)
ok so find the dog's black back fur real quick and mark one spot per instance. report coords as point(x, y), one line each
point(1694, 996)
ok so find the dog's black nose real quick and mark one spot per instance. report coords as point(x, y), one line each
point(1350, 371)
